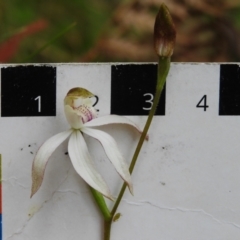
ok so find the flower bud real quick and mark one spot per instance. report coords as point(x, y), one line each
point(164, 33)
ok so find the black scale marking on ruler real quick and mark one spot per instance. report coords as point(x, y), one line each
point(133, 88)
point(28, 91)
point(229, 101)
point(31, 90)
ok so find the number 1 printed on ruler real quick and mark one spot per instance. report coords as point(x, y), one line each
point(38, 98)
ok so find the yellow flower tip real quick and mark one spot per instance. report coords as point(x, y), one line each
point(130, 187)
point(36, 183)
point(164, 33)
point(33, 191)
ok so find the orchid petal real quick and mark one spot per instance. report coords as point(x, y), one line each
point(73, 118)
point(114, 155)
point(42, 157)
point(112, 119)
point(84, 165)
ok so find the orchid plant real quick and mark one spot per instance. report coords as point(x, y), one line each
point(82, 117)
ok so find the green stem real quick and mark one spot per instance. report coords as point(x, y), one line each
point(107, 229)
point(163, 69)
point(101, 204)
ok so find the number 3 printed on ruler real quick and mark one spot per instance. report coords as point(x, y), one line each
point(148, 101)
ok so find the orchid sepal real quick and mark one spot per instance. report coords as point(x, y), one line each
point(113, 119)
point(110, 147)
point(42, 157)
point(84, 165)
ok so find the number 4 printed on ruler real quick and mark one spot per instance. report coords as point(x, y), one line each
point(203, 103)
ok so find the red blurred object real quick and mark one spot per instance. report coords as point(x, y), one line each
point(9, 47)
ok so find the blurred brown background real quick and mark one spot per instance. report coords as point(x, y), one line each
point(114, 30)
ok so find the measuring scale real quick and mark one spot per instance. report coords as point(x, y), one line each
point(187, 178)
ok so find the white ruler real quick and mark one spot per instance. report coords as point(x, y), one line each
point(187, 178)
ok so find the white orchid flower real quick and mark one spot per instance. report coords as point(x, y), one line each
point(82, 117)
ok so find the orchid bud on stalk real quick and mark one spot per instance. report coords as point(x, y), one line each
point(164, 33)
point(164, 41)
